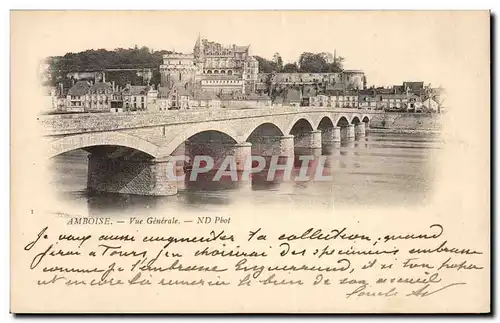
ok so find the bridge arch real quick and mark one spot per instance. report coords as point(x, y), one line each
point(85, 140)
point(342, 122)
point(355, 120)
point(174, 140)
point(263, 130)
point(303, 123)
point(325, 123)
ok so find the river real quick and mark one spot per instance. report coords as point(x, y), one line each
point(378, 170)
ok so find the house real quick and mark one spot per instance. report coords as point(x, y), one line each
point(177, 96)
point(319, 101)
point(368, 100)
point(343, 99)
point(77, 99)
point(162, 102)
point(416, 88)
point(429, 105)
point(394, 102)
point(135, 97)
point(100, 97)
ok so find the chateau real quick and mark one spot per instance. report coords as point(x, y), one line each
point(227, 76)
point(212, 67)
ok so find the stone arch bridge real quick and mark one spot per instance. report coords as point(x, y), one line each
point(130, 152)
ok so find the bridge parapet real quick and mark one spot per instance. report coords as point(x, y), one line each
point(66, 124)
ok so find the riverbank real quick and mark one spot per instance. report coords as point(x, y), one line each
point(404, 131)
point(406, 123)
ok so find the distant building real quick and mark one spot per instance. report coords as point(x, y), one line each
point(100, 97)
point(78, 99)
point(416, 88)
point(211, 67)
point(84, 96)
point(138, 97)
point(429, 105)
point(368, 100)
point(319, 101)
point(353, 79)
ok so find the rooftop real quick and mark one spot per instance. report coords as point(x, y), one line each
point(104, 87)
point(80, 88)
point(136, 90)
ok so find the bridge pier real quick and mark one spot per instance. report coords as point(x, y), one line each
point(268, 146)
point(310, 139)
point(179, 165)
point(243, 155)
point(129, 175)
point(329, 136)
point(286, 146)
point(360, 130)
point(347, 133)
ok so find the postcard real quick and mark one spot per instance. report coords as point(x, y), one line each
point(250, 162)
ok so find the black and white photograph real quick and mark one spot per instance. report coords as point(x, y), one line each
point(278, 161)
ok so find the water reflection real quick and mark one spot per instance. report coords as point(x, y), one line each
point(378, 169)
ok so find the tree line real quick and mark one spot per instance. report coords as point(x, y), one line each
point(307, 63)
point(101, 59)
point(144, 57)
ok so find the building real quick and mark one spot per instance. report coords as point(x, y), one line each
point(100, 97)
point(353, 79)
point(214, 59)
point(138, 97)
point(348, 79)
point(85, 96)
point(211, 67)
point(320, 101)
point(343, 99)
point(77, 99)
point(429, 105)
point(368, 100)
point(178, 70)
point(178, 98)
point(416, 88)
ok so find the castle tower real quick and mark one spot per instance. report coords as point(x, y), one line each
point(178, 69)
point(198, 53)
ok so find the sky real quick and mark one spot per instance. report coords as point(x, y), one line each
point(391, 47)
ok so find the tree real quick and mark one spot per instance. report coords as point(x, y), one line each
point(267, 66)
point(290, 68)
point(278, 61)
point(101, 59)
point(312, 63)
point(339, 63)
